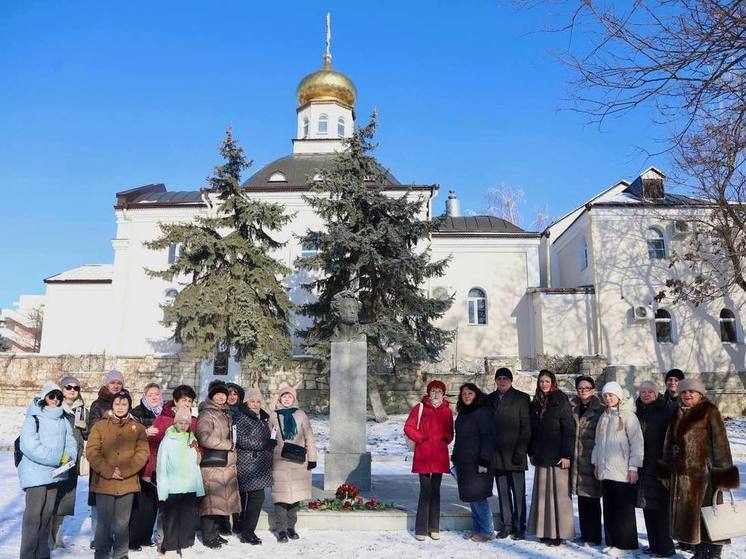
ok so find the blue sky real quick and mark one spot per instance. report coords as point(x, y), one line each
point(97, 97)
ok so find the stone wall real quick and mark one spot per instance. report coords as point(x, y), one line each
point(21, 375)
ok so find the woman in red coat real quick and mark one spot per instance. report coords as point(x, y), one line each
point(430, 426)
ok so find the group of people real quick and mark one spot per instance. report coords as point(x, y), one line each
point(157, 472)
point(666, 453)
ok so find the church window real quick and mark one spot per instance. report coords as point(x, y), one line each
point(173, 252)
point(323, 124)
point(476, 306)
point(169, 299)
point(305, 127)
point(278, 176)
point(663, 327)
point(728, 332)
point(341, 127)
point(656, 243)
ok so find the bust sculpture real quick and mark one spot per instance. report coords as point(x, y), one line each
point(346, 308)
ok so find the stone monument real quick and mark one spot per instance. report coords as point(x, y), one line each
point(347, 460)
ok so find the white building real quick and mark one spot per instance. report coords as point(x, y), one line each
point(114, 308)
point(21, 325)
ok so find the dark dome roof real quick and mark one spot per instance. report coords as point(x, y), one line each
point(477, 224)
point(298, 169)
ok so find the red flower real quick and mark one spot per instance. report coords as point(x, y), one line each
point(313, 505)
point(346, 505)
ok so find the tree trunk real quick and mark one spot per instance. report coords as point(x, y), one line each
point(376, 404)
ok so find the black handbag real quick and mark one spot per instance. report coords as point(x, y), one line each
point(214, 458)
point(291, 451)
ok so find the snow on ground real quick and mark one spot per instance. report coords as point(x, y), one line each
point(389, 450)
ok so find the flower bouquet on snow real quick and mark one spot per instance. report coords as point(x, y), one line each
point(348, 498)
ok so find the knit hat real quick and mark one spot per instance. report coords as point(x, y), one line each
point(217, 387)
point(48, 387)
point(504, 372)
point(287, 390)
point(182, 415)
point(435, 384)
point(585, 378)
point(648, 384)
point(692, 384)
point(676, 373)
point(113, 375)
point(613, 387)
point(69, 379)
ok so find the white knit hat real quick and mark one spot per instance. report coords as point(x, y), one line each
point(613, 387)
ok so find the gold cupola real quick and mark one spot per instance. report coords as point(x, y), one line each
point(327, 84)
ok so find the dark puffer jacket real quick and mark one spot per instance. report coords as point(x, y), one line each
point(582, 477)
point(100, 406)
point(553, 434)
point(143, 415)
point(654, 420)
point(473, 447)
point(255, 449)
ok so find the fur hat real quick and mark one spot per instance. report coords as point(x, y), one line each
point(692, 384)
point(182, 415)
point(676, 373)
point(124, 394)
point(649, 384)
point(435, 384)
point(613, 387)
point(217, 387)
point(503, 372)
point(113, 375)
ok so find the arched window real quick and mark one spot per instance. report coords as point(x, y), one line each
point(728, 332)
point(656, 243)
point(663, 327)
point(341, 127)
point(323, 124)
point(305, 127)
point(169, 298)
point(476, 306)
point(278, 176)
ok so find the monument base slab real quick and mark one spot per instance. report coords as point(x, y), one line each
point(347, 467)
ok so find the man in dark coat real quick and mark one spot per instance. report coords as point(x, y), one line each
point(512, 436)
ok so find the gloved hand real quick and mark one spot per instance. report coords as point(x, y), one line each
point(311, 465)
point(65, 458)
point(271, 443)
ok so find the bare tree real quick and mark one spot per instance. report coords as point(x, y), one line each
point(685, 60)
point(508, 202)
point(715, 258)
point(36, 324)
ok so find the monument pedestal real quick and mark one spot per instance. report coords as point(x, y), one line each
point(347, 460)
point(346, 467)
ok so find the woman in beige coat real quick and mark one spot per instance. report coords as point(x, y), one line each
point(221, 482)
point(291, 481)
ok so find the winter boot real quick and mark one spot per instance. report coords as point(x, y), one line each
point(55, 534)
point(700, 551)
point(714, 551)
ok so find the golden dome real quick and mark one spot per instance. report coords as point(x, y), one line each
point(327, 85)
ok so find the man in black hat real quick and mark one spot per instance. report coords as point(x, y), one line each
point(512, 436)
point(671, 395)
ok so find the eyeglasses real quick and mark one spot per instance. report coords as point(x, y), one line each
point(584, 389)
point(72, 387)
point(55, 395)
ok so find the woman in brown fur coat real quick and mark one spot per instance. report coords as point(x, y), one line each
point(696, 462)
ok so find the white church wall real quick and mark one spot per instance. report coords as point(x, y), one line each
point(77, 318)
point(573, 269)
point(564, 323)
point(627, 277)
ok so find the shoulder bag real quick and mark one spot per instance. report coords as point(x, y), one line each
point(291, 451)
point(410, 442)
point(213, 458)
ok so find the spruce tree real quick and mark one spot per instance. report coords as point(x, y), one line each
point(232, 295)
point(375, 245)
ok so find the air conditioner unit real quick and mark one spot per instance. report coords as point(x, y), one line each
point(681, 229)
point(643, 312)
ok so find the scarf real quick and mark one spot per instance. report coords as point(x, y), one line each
point(155, 410)
point(289, 426)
